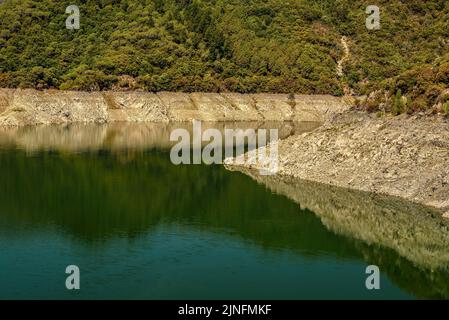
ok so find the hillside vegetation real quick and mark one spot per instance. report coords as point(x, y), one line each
point(286, 46)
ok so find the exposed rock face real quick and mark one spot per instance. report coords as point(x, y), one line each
point(404, 156)
point(5, 99)
point(135, 107)
point(274, 106)
point(318, 106)
point(243, 104)
point(30, 107)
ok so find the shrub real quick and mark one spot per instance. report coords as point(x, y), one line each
point(419, 104)
point(398, 105)
point(445, 108)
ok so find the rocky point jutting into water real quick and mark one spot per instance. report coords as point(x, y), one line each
point(407, 157)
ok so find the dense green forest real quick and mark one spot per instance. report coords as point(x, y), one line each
point(288, 46)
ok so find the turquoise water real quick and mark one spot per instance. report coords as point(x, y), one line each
point(140, 227)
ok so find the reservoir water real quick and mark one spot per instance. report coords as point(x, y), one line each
point(109, 200)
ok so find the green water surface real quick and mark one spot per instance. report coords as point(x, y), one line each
point(140, 227)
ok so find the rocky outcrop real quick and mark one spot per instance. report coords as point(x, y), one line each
point(135, 107)
point(31, 107)
point(403, 156)
point(319, 107)
point(5, 99)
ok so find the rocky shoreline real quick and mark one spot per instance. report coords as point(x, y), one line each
point(406, 156)
point(31, 107)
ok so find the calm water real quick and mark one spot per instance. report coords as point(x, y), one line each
point(141, 228)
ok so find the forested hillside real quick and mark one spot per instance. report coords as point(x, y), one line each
point(230, 45)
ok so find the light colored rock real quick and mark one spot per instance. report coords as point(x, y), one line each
point(179, 105)
point(31, 107)
point(274, 107)
point(244, 106)
point(404, 156)
point(6, 96)
point(318, 107)
point(212, 107)
point(135, 107)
